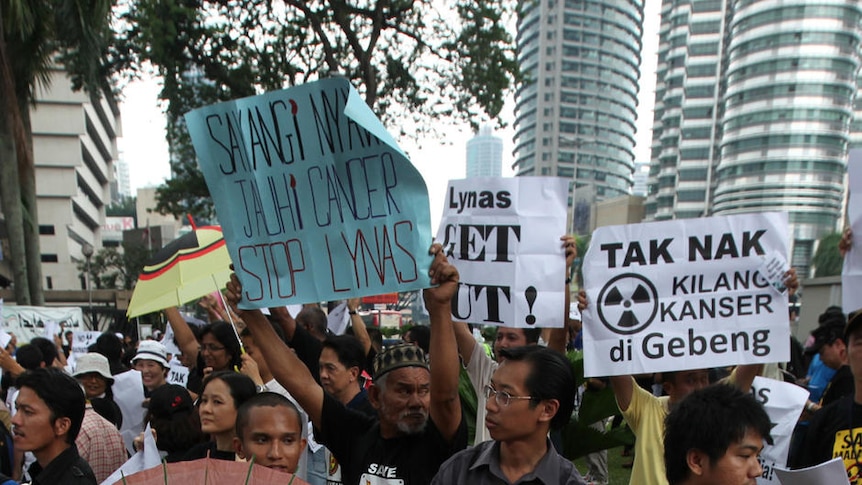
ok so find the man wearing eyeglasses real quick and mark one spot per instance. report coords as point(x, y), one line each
point(531, 392)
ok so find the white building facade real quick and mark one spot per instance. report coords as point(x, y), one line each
point(74, 147)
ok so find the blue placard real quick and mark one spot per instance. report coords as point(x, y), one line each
point(316, 200)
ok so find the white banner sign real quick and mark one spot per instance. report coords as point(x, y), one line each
point(851, 274)
point(28, 322)
point(503, 235)
point(685, 294)
point(783, 403)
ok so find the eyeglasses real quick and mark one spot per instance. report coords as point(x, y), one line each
point(503, 398)
point(211, 347)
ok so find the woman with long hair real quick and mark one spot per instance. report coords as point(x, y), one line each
point(222, 394)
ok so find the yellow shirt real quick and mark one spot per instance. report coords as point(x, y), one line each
point(645, 415)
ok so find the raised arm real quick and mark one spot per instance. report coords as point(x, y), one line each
point(360, 331)
point(183, 334)
point(445, 403)
point(559, 336)
point(845, 242)
point(623, 386)
point(284, 320)
point(464, 339)
point(285, 366)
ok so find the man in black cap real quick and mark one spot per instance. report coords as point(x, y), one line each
point(418, 424)
point(836, 430)
point(831, 346)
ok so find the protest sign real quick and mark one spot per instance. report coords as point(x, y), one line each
point(338, 319)
point(685, 294)
point(81, 341)
point(829, 472)
point(503, 235)
point(148, 457)
point(178, 374)
point(128, 389)
point(851, 273)
point(51, 330)
point(28, 322)
point(783, 403)
point(315, 199)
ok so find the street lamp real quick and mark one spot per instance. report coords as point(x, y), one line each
point(87, 250)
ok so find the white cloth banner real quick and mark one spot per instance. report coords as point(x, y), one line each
point(783, 403)
point(28, 322)
point(145, 459)
point(851, 273)
point(686, 294)
point(503, 235)
point(338, 319)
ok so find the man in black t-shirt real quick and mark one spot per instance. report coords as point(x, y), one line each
point(418, 424)
point(836, 430)
point(831, 344)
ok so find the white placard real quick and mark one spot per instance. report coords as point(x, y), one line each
point(128, 391)
point(81, 341)
point(168, 342)
point(503, 235)
point(178, 374)
point(851, 273)
point(783, 403)
point(338, 319)
point(5, 338)
point(52, 329)
point(147, 458)
point(829, 472)
point(684, 294)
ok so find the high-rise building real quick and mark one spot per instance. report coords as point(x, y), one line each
point(576, 116)
point(641, 178)
point(74, 147)
point(121, 185)
point(485, 154)
point(754, 104)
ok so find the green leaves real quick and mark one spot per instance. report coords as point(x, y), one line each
point(410, 59)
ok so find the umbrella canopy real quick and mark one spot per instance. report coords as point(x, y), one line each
point(189, 267)
point(209, 471)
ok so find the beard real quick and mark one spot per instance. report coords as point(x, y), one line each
point(410, 421)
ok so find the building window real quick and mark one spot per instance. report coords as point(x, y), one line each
point(46, 230)
point(49, 258)
point(49, 282)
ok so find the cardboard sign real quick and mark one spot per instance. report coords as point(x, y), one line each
point(783, 403)
point(851, 273)
point(28, 322)
point(685, 294)
point(503, 235)
point(315, 198)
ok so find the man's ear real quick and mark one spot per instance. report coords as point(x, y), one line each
point(549, 408)
point(696, 461)
point(374, 396)
point(62, 426)
point(237, 447)
point(354, 373)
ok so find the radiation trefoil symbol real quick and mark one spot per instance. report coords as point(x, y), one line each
point(628, 304)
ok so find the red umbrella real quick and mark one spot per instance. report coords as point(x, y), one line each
point(209, 471)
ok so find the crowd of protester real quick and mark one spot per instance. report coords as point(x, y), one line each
point(282, 390)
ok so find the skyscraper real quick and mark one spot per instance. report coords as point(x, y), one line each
point(754, 104)
point(576, 116)
point(485, 154)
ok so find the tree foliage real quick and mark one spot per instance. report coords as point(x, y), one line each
point(412, 60)
point(36, 37)
point(827, 260)
point(113, 269)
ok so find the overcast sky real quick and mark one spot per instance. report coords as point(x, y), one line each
point(144, 147)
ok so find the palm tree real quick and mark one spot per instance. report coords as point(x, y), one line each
point(36, 35)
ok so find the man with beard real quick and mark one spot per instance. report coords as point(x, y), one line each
point(419, 423)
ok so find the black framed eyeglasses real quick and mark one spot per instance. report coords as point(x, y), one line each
point(503, 398)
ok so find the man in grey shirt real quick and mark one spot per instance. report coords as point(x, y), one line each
point(531, 392)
